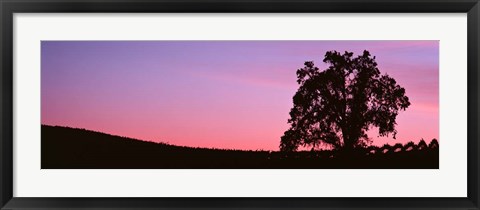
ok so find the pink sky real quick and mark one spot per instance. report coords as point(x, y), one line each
point(222, 94)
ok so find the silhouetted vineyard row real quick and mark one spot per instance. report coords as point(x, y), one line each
point(71, 148)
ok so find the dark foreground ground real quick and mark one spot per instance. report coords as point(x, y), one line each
point(70, 148)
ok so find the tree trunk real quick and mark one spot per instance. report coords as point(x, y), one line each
point(347, 140)
point(348, 144)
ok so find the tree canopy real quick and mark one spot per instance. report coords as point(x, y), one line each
point(337, 106)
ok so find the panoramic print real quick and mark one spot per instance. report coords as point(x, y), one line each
point(305, 104)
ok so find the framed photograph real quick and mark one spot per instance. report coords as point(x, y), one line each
point(239, 104)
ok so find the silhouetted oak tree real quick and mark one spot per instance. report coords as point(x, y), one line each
point(336, 106)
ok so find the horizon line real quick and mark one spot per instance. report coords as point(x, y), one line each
point(211, 148)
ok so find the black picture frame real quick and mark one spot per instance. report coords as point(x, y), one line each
point(9, 7)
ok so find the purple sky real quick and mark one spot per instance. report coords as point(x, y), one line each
point(223, 94)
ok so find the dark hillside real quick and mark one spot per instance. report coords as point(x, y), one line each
point(71, 148)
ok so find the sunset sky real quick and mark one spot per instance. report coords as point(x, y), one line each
point(222, 94)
